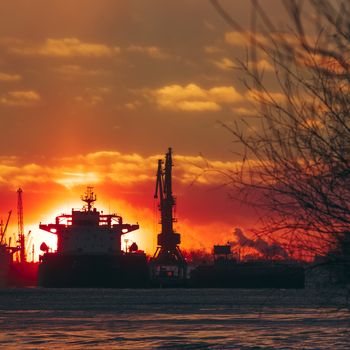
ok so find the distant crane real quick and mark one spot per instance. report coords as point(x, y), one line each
point(29, 241)
point(21, 237)
point(3, 231)
point(168, 251)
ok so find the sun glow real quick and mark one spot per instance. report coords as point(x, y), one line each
point(34, 238)
point(144, 237)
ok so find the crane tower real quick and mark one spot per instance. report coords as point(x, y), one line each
point(168, 252)
point(21, 237)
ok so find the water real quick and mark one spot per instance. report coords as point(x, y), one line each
point(173, 319)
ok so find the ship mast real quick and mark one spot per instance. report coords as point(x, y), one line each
point(89, 198)
point(168, 251)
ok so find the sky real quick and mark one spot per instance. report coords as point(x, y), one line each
point(93, 92)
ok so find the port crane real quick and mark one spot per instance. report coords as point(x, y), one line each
point(168, 252)
point(21, 237)
point(3, 230)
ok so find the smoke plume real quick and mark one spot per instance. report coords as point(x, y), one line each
point(263, 247)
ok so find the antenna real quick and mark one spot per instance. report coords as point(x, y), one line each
point(89, 197)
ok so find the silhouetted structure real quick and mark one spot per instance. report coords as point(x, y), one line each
point(16, 273)
point(168, 264)
point(4, 229)
point(89, 251)
point(21, 237)
point(228, 272)
point(5, 254)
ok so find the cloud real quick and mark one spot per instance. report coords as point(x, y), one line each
point(74, 47)
point(236, 38)
point(124, 169)
point(90, 100)
point(12, 172)
point(193, 98)
point(224, 94)
point(111, 166)
point(93, 96)
point(257, 96)
point(66, 47)
point(20, 98)
point(262, 65)
point(212, 49)
point(244, 38)
point(73, 70)
point(227, 64)
point(132, 105)
point(126, 182)
point(242, 111)
point(151, 51)
point(199, 106)
point(9, 77)
point(224, 63)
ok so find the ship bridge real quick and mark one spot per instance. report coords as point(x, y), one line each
point(88, 231)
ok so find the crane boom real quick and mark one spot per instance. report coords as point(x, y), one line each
point(159, 185)
point(168, 251)
point(6, 225)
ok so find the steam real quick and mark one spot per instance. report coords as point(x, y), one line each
point(268, 250)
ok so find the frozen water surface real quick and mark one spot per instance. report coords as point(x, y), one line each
point(174, 319)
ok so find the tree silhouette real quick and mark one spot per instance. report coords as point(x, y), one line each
point(296, 155)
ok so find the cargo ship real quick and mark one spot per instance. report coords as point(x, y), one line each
point(228, 272)
point(89, 251)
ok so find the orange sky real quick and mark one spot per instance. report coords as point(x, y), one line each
point(125, 185)
point(94, 92)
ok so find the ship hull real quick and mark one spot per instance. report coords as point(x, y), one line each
point(23, 274)
point(243, 275)
point(5, 261)
point(94, 271)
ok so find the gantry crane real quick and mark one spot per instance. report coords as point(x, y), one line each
point(168, 251)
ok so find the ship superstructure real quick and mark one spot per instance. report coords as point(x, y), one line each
point(89, 231)
point(89, 251)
